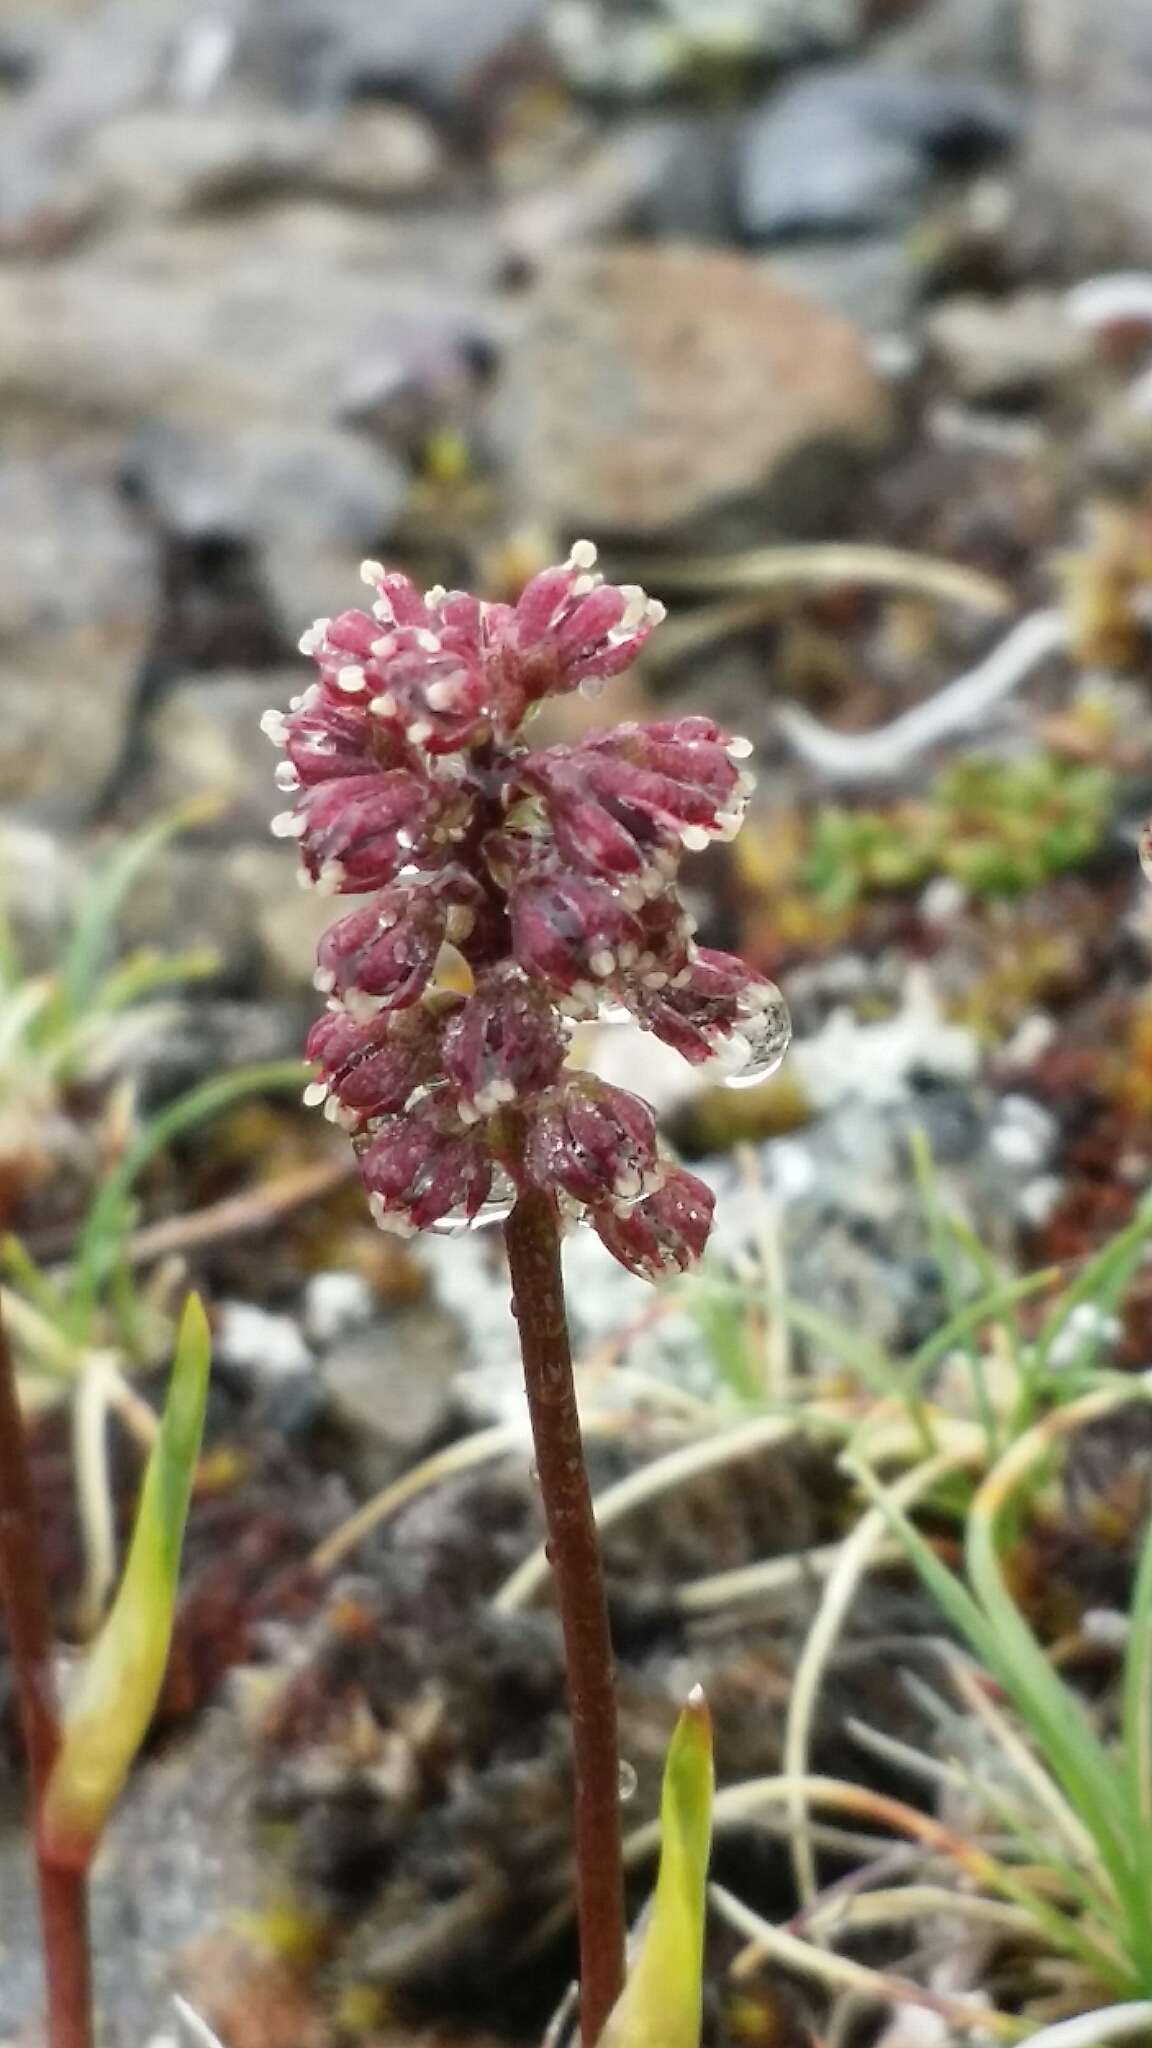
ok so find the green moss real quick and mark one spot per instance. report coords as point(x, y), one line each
point(999, 827)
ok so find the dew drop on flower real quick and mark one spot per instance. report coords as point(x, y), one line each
point(614, 1013)
point(626, 1780)
point(759, 1045)
point(497, 1208)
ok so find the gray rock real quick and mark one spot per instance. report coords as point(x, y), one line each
point(1086, 184)
point(1082, 52)
point(851, 149)
point(174, 160)
point(181, 1856)
point(972, 38)
point(282, 923)
point(322, 52)
point(309, 504)
point(39, 881)
point(266, 317)
point(997, 352)
point(77, 589)
point(204, 738)
point(871, 282)
point(652, 389)
point(393, 1387)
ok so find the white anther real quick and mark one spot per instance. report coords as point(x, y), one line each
point(351, 678)
point(288, 825)
point(372, 573)
point(274, 726)
point(312, 639)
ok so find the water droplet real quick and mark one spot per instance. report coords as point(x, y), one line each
point(627, 1780)
point(496, 1208)
point(757, 1049)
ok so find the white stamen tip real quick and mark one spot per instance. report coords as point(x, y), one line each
point(372, 573)
point(274, 726)
point(583, 554)
point(351, 678)
point(694, 838)
point(314, 1094)
point(288, 825)
point(738, 749)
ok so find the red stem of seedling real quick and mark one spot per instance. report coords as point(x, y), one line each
point(24, 1599)
point(533, 1239)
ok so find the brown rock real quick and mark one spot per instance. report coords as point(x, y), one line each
point(652, 387)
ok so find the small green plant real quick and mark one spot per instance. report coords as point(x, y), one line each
point(660, 2005)
point(80, 1335)
point(999, 827)
point(1058, 1860)
point(78, 1761)
point(82, 1022)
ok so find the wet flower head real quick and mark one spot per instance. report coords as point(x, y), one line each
point(508, 892)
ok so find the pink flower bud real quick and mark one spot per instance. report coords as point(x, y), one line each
point(371, 1070)
point(664, 1233)
point(594, 1142)
point(382, 955)
point(356, 834)
point(571, 930)
point(424, 1166)
point(715, 1004)
point(504, 1045)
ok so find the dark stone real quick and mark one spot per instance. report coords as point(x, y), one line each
point(852, 149)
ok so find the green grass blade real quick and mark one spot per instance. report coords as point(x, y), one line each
point(1137, 1708)
point(115, 1699)
point(91, 939)
point(103, 1227)
point(1102, 1282)
point(660, 2006)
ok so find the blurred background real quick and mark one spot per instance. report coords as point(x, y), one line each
point(830, 321)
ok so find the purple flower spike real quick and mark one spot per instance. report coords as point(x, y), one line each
point(508, 891)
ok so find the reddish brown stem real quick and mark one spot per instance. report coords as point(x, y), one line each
point(533, 1239)
point(24, 1599)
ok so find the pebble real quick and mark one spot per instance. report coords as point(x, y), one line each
point(1008, 351)
point(254, 1341)
point(852, 150)
point(334, 1304)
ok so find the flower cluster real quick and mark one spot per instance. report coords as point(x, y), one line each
point(541, 882)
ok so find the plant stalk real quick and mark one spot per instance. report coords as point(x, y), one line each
point(27, 1617)
point(533, 1239)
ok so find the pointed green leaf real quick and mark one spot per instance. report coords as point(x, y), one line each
point(661, 2002)
point(116, 1695)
